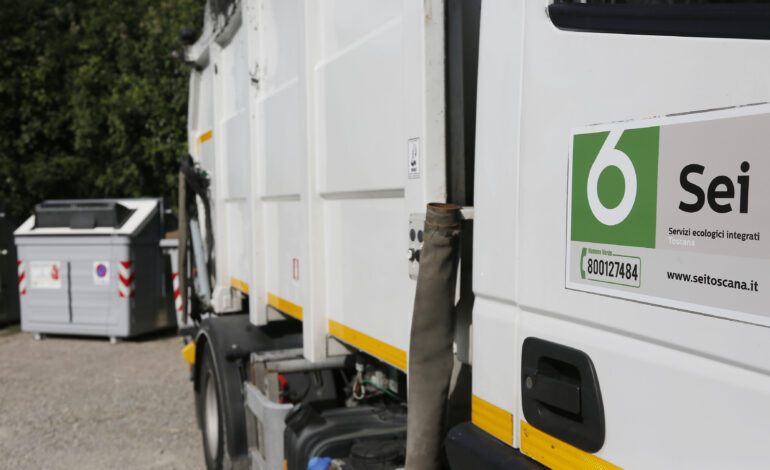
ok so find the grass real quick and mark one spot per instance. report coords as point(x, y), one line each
point(10, 330)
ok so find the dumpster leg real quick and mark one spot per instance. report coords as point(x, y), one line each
point(39, 336)
point(114, 340)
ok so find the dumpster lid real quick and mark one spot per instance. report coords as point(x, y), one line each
point(89, 217)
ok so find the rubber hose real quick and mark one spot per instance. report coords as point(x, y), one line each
point(182, 247)
point(432, 334)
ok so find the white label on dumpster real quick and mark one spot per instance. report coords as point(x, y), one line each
point(45, 274)
point(101, 273)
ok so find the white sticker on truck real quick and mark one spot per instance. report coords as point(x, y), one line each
point(413, 158)
point(673, 211)
point(45, 274)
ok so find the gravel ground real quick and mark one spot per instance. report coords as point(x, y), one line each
point(85, 403)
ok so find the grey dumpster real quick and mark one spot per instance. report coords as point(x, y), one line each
point(92, 267)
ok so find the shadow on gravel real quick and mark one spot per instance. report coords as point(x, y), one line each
point(145, 338)
point(155, 335)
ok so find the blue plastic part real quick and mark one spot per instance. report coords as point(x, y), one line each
point(319, 463)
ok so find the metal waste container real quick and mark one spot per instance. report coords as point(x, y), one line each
point(9, 292)
point(92, 267)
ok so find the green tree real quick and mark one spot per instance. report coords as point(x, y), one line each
point(92, 101)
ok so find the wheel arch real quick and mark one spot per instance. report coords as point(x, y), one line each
point(231, 339)
point(216, 336)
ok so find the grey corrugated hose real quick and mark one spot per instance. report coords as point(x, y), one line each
point(430, 344)
point(182, 249)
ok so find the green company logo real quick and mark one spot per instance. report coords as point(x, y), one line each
point(615, 186)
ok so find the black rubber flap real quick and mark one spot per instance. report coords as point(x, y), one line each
point(470, 448)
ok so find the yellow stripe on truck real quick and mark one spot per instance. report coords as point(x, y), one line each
point(556, 454)
point(240, 285)
point(492, 419)
point(202, 138)
point(373, 346)
point(284, 306)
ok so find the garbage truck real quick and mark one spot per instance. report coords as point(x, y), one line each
point(478, 234)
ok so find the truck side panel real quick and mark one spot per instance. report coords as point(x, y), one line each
point(231, 88)
point(495, 279)
point(281, 154)
point(377, 87)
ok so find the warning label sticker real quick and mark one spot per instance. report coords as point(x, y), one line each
point(671, 211)
point(413, 154)
point(101, 273)
point(45, 274)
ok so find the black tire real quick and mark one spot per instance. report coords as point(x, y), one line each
point(209, 404)
point(212, 417)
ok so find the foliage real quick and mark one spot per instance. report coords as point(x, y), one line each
point(92, 102)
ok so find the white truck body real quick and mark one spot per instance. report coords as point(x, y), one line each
point(311, 187)
point(309, 115)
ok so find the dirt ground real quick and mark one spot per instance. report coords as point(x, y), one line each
point(85, 403)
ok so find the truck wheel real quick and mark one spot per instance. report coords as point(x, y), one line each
point(211, 412)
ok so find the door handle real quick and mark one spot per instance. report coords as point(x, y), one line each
point(552, 391)
point(560, 393)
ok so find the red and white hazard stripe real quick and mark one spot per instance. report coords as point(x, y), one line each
point(22, 278)
point(126, 276)
point(177, 294)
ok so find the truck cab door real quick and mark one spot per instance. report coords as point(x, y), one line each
point(581, 105)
